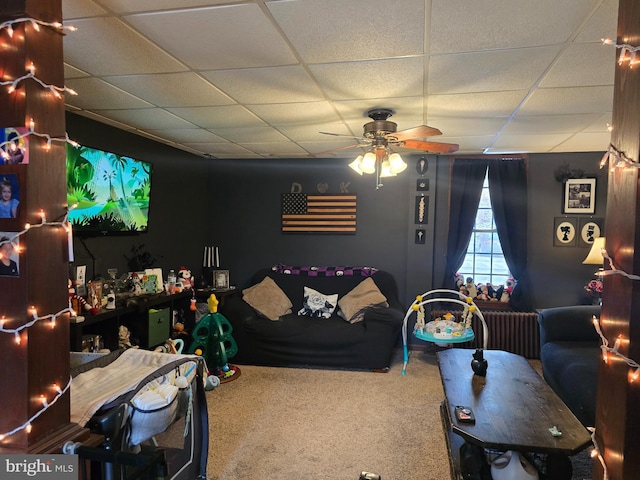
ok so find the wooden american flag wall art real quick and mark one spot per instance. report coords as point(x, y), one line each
point(313, 213)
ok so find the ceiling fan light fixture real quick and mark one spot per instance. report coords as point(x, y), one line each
point(368, 163)
point(385, 169)
point(396, 164)
point(355, 165)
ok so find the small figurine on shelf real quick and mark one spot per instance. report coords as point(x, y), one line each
point(77, 303)
point(185, 278)
point(472, 290)
point(111, 301)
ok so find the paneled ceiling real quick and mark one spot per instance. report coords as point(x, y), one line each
point(258, 78)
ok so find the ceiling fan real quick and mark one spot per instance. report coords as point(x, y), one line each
point(381, 136)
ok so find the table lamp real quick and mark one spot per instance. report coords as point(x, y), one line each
point(595, 256)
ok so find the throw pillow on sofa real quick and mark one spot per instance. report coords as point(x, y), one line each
point(366, 294)
point(268, 299)
point(317, 304)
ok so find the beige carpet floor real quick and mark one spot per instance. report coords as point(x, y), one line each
point(303, 423)
point(325, 424)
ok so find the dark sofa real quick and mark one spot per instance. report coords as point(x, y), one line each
point(570, 354)
point(294, 340)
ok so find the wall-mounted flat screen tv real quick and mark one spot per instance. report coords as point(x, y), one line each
point(110, 192)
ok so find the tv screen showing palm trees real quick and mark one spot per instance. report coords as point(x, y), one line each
point(107, 192)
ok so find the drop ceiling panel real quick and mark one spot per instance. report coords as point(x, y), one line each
point(492, 71)
point(484, 104)
point(129, 6)
point(148, 118)
point(278, 149)
point(459, 26)
point(93, 94)
point(296, 113)
point(218, 117)
point(602, 24)
point(72, 9)
point(333, 30)
point(585, 142)
point(249, 135)
point(267, 85)
point(188, 135)
point(529, 143)
point(172, 89)
point(106, 46)
point(582, 64)
point(540, 124)
point(238, 36)
point(559, 101)
point(398, 77)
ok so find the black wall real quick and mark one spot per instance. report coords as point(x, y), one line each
point(236, 205)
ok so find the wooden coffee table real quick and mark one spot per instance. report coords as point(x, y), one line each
point(513, 407)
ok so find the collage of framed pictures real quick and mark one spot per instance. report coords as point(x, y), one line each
point(421, 207)
point(12, 215)
point(578, 197)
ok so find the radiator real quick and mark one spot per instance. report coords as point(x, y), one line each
point(515, 332)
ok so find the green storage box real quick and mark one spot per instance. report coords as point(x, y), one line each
point(159, 326)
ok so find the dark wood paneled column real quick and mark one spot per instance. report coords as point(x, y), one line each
point(618, 416)
point(31, 368)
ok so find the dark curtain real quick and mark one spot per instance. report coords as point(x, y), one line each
point(508, 189)
point(467, 177)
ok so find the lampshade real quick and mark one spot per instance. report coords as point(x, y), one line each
point(595, 254)
point(396, 164)
point(368, 163)
point(385, 169)
point(355, 165)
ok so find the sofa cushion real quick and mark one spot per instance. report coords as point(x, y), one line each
point(268, 299)
point(366, 294)
point(316, 304)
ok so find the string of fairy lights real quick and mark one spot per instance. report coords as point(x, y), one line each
point(616, 158)
point(46, 399)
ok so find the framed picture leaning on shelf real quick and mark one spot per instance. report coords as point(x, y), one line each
point(220, 279)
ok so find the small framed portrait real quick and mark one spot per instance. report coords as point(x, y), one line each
point(12, 197)
point(421, 213)
point(15, 146)
point(220, 279)
point(579, 196)
point(9, 247)
point(565, 232)
point(422, 185)
point(590, 229)
point(421, 234)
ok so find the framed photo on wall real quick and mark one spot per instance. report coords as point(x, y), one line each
point(579, 196)
point(590, 229)
point(564, 232)
point(221, 279)
point(12, 197)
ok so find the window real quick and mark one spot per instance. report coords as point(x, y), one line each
point(484, 261)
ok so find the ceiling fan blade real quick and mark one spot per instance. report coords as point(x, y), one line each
point(433, 147)
point(339, 135)
point(339, 148)
point(421, 131)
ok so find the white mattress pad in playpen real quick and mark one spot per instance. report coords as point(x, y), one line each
point(131, 372)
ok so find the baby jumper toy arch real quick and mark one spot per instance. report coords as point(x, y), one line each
point(442, 331)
